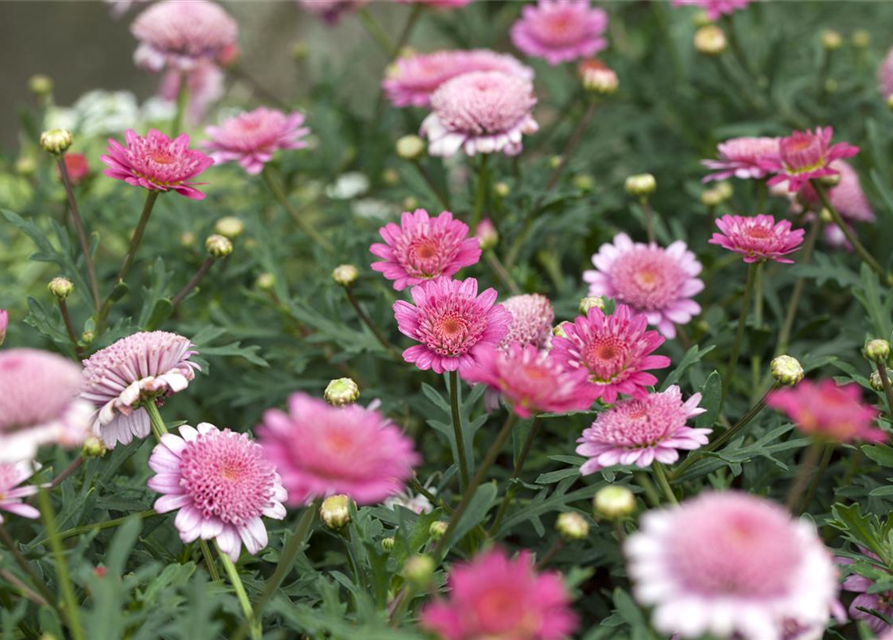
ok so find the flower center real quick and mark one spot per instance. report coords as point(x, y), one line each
point(162, 157)
point(760, 233)
point(647, 279)
point(605, 358)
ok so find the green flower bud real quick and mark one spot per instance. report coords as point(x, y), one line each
point(418, 571)
point(614, 502)
point(334, 512)
point(345, 274)
point(410, 147)
point(710, 40)
point(60, 287)
point(877, 350)
point(56, 141)
point(387, 544)
point(641, 185)
point(218, 246)
point(437, 529)
point(786, 370)
point(589, 302)
point(230, 227)
point(342, 391)
point(572, 526)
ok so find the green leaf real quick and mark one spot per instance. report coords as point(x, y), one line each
point(878, 307)
point(711, 400)
point(477, 510)
point(882, 454)
point(860, 529)
point(692, 357)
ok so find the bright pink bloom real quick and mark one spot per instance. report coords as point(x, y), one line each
point(77, 167)
point(423, 248)
point(827, 411)
point(252, 137)
point(885, 75)
point(532, 317)
point(331, 11)
point(758, 238)
point(715, 8)
point(11, 494)
point(4, 323)
point(321, 450)
point(652, 280)
point(847, 197)
point(221, 483)
point(868, 597)
point(480, 112)
point(741, 158)
point(496, 597)
point(204, 86)
point(804, 156)
point(614, 349)
point(560, 30)
point(451, 321)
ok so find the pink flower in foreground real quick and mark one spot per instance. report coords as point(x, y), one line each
point(731, 565)
point(204, 86)
point(321, 450)
point(156, 163)
point(423, 248)
point(885, 75)
point(847, 197)
point(640, 431)
point(4, 323)
point(11, 494)
point(252, 137)
point(741, 158)
point(560, 30)
point(804, 156)
point(493, 596)
point(758, 238)
point(331, 11)
point(652, 280)
point(614, 349)
point(143, 367)
point(480, 112)
point(451, 321)
point(221, 483)
point(827, 411)
point(868, 597)
point(77, 167)
point(532, 317)
point(715, 8)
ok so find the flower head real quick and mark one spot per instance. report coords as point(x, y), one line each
point(868, 599)
point(741, 158)
point(532, 317)
point(758, 238)
point(806, 155)
point(715, 8)
point(11, 494)
point(560, 30)
point(252, 137)
point(847, 196)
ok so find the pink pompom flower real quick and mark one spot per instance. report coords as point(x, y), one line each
point(251, 138)
point(156, 163)
point(422, 248)
point(731, 565)
point(715, 8)
point(868, 597)
point(320, 450)
point(806, 155)
point(560, 30)
point(144, 367)
point(451, 321)
point(652, 280)
point(758, 238)
point(222, 485)
point(480, 112)
point(493, 596)
point(532, 317)
point(741, 158)
point(11, 494)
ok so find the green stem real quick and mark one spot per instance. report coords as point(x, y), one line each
point(457, 430)
point(411, 21)
point(155, 420)
point(99, 526)
point(648, 487)
point(23, 563)
point(885, 381)
point(193, 282)
point(817, 478)
point(660, 475)
point(381, 37)
point(758, 323)
point(807, 465)
point(209, 560)
point(516, 473)
point(443, 197)
point(785, 335)
point(572, 143)
point(739, 333)
point(69, 328)
point(500, 270)
point(282, 198)
point(242, 596)
point(79, 228)
point(481, 195)
point(649, 225)
point(182, 102)
point(72, 612)
point(364, 317)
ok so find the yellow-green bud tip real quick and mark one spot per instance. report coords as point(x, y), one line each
point(558, 330)
point(230, 227)
point(502, 189)
point(877, 350)
point(60, 287)
point(876, 382)
point(572, 526)
point(831, 40)
point(345, 274)
point(410, 147)
point(56, 141)
point(40, 84)
point(641, 185)
point(589, 302)
point(341, 392)
point(710, 40)
point(418, 570)
point(437, 529)
point(786, 370)
point(614, 502)
point(387, 544)
point(266, 281)
point(335, 512)
point(219, 246)
point(93, 447)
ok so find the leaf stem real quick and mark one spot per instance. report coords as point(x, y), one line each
point(79, 228)
point(71, 611)
point(457, 430)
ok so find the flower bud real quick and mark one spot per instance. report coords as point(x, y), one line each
point(831, 86)
point(555, 161)
point(187, 239)
point(410, 203)
point(345, 274)
point(387, 544)
point(335, 512)
point(487, 235)
point(418, 571)
point(60, 287)
point(87, 337)
point(614, 502)
point(725, 189)
point(877, 350)
point(831, 40)
point(786, 370)
point(410, 147)
point(597, 77)
point(826, 216)
point(40, 84)
point(93, 447)
point(589, 302)
point(641, 185)
point(583, 182)
point(711, 198)
point(437, 529)
point(890, 102)
point(219, 246)
point(710, 40)
point(861, 39)
point(341, 392)
point(558, 330)
point(876, 382)
point(266, 281)
point(230, 227)
point(25, 166)
point(56, 141)
point(4, 322)
point(299, 50)
point(501, 189)
point(572, 526)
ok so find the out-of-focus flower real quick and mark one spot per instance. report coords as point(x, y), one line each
point(741, 158)
point(532, 317)
point(710, 40)
point(418, 571)
point(252, 138)
point(486, 234)
point(572, 526)
point(230, 226)
point(758, 238)
point(560, 30)
point(868, 597)
point(597, 77)
point(885, 75)
point(99, 113)
point(77, 167)
point(614, 502)
point(4, 323)
point(11, 494)
point(204, 86)
point(416, 503)
point(410, 147)
point(786, 370)
point(831, 40)
point(40, 85)
point(806, 155)
point(439, 4)
point(348, 186)
point(715, 8)
point(847, 197)
point(345, 274)
point(331, 11)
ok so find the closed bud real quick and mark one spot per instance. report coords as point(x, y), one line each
point(437, 529)
point(558, 330)
point(266, 281)
point(711, 198)
point(60, 287)
point(87, 337)
point(555, 161)
point(410, 147)
point(597, 77)
point(641, 185)
point(831, 40)
point(299, 50)
point(725, 189)
point(345, 274)
point(826, 216)
point(572, 526)
point(589, 302)
point(584, 182)
point(342, 391)
point(418, 571)
point(710, 40)
point(187, 239)
point(335, 512)
point(786, 370)
point(614, 502)
point(830, 180)
point(501, 189)
point(877, 350)
point(218, 246)
point(387, 544)
point(230, 227)
point(40, 84)
point(876, 382)
point(56, 141)
point(890, 102)
point(861, 39)
point(486, 234)
point(93, 447)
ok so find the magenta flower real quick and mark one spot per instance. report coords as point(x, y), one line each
point(847, 197)
point(321, 450)
point(331, 11)
point(156, 163)
point(480, 112)
point(423, 248)
point(652, 280)
point(715, 8)
point(11, 494)
point(560, 30)
point(804, 156)
point(758, 238)
point(221, 483)
point(496, 597)
point(252, 137)
point(869, 598)
point(532, 317)
point(614, 349)
point(741, 158)
point(451, 321)
point(4, 323)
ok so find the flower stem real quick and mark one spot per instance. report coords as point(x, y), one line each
point(557, 546)
point(72, 612)
point(649, 225)
point(482, 188)
point(785, 335)
point(69, 328)
point(500, 270)
point(758, 322)
point(648, 487)
point(79, 228)
point(516, 473)
point(108, 524)
point(443, 197)
point(381, 37)
point(572, 144)
point(242, 596)
point(366, 320)
point(660, 474)
point(59, 479)
point(155, 420)
point(182, 102)
point(885, 381)
point(739, 333)
point(282, 198)
point(193, 282)
point(209, 560)
point(23, 563)
point(457, 430)
point(817, 478)
point(807, 465)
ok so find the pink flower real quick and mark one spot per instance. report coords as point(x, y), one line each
point(252, 137)
point(143, 367)
point(204, 84)
point(715, 8)
point(758, 238)
point(741, 158)
point(480, 112)
point(222, 485)
point(885, 75)
point(496, 597)
point(11, 494)
point(654, 281)
point(560, 30)
point(868, 597)
point(731, 565)
point(614, 349)
point(847, 197)
point(827, 411)
point(156, 163)
point(321, 450)
point(804, 156)
point(77, 167)
point(486, 234)
point(422, 248)
point(451, 321)
point(4, 323)
point(532, 317)
point(331, 11)
point(439, 4)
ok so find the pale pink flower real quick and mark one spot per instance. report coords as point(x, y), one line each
point(758, 238)
point(741, 158)
point(847, 197)
point(204, 86)
point(868, 597)
point(251, 138)
point(480, 112)
point(532, 317)
point(715, 8)
point(143, 367)
point(731, 565)
point(486, 233)
point(493, 596)
point(652, 280)
point(423, 248)
point(4, 323)
point(221, 483)
point(320, 450)
point(560, 30)
point(451, 321)
point(331, 11)
point(11, 494)
point(806, 155)
point(885, 75)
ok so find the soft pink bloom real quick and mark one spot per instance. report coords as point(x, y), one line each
point(11, 494)
point(221, 483)
point(39, 403)
point(143, 367)
point(835, 238)
point(252, 137)
point(614, 349)
point(741, 158)
point(423, 248)
point(652, 280)
point(847, 197)
point(827, 411)
point(885, 75)
point(77, 167)
point(494, 597)
point(887, 635)
point(321, 450)
point(806, 155)
point(480, 112)
point(560, 30)
point(204, 86)
point(331, 11)
point(715, 8)
point(731, 565)
point(868, 598)
point(451, 321)
point(4, 323)
point(532, 317)
point(486, 233)
point(758, 238)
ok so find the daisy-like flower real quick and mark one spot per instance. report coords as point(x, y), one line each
point(758, 238)
point(715, 8)
point(885, 75)
point(221, 483)
point(493, 596)
point(560, 30)
point(480, 112)
point(331, 11)
point(827, 411)
point(741, 158)
point(451, 321)
point(652, 280)
point(868, 598)
point(156, 163)
point(615, 350)
point(532, 317)
point(11, 494)
point(806, 155)
point(251, 138)
point(640, 431)
point(39, 404)
point(847, 196)
point(731, 565)
point(320, 450)
point(423, 248)
point(143, 367)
